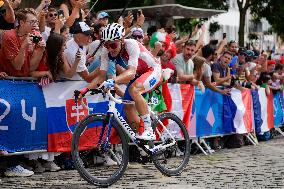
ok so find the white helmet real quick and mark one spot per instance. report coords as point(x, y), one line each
point(113, 32)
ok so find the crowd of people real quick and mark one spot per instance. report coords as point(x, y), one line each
point(54, 43)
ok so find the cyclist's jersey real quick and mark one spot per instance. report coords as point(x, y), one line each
point(133, 54)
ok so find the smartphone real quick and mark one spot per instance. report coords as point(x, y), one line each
point(139, 12)
point(45, 8)
point(60, 13)
point(224, 35)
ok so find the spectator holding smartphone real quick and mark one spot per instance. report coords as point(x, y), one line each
point(20, 52)
point(73, 12)
point(76, 47)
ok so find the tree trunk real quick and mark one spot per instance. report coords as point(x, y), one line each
point(243, 13)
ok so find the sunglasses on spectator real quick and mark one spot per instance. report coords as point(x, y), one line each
point(138, 37)
point(51, 15)
point(113, 45)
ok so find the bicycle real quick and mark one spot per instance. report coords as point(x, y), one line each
point(100, 128)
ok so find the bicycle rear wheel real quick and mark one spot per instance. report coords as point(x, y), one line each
point(172, 160)
point(95, 157)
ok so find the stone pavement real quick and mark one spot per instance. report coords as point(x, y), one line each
point(250, 167)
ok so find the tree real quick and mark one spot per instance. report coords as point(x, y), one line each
point(244, 5)
point(273, 11)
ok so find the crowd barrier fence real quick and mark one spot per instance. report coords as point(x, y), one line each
point(38, 119)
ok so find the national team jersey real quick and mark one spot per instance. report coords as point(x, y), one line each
point(133, 54)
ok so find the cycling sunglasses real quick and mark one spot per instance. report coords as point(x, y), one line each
point(113, 45)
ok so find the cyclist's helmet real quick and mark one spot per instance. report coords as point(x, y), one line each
point(113, 32)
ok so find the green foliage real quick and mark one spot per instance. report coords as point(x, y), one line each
point(213, 28)
point(209, 4)
point(273, 11)
point(115, 4)
point(187, 25)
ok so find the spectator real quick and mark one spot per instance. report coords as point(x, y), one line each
point(7, 16)
point(233, 47)
point(102, 18)
point(146, 40)
point(137, 34)
point(221, 72)
point(20, 52)
point(82, 38)
point(166, 63)
point(184, 64)
point(73, 12)
point(208, 54)
point(88, 16)
point(56, 62)
point(51, 23)
point(65, 32)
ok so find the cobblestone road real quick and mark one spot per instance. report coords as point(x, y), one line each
point(250, 167)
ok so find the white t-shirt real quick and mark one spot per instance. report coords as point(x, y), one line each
point(70, 54)
point(93, 46)
point(46, 33)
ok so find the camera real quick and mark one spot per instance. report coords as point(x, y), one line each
point(235, 82)
point(36, 39)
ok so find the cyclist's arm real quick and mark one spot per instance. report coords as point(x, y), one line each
point(101, 77)
point(133, 51)
point(126, 76)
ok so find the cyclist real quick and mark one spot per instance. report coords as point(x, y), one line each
point(142, 73)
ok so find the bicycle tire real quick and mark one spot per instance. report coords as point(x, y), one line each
point(186, 151)
point(78, 162)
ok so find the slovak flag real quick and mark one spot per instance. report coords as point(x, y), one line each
point(63, 114)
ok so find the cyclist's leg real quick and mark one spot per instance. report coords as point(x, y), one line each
point(130, 110)
point(145, 83)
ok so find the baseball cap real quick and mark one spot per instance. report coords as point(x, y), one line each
point(242, 50)
point(82, 27)
point(137, 32)
point(102, 15)
point(271, 62)
point(250, 53)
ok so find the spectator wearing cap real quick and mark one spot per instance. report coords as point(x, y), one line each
point(73, 12)
point(78, 45)
point(137, 34)
point(20, 52)
point(7, 16)
point(271, 66)
point(102, 18)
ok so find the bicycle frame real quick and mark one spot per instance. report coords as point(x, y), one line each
point(113, 113)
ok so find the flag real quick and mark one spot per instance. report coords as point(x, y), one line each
point(63, 115)
point(263, 105)
point(242, 116)
point(278, 109)
point(178, 99)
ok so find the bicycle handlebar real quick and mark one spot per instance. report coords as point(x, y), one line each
point(100, 91)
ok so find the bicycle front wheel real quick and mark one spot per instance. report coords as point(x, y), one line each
point(171, 131)
point(99, 159)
